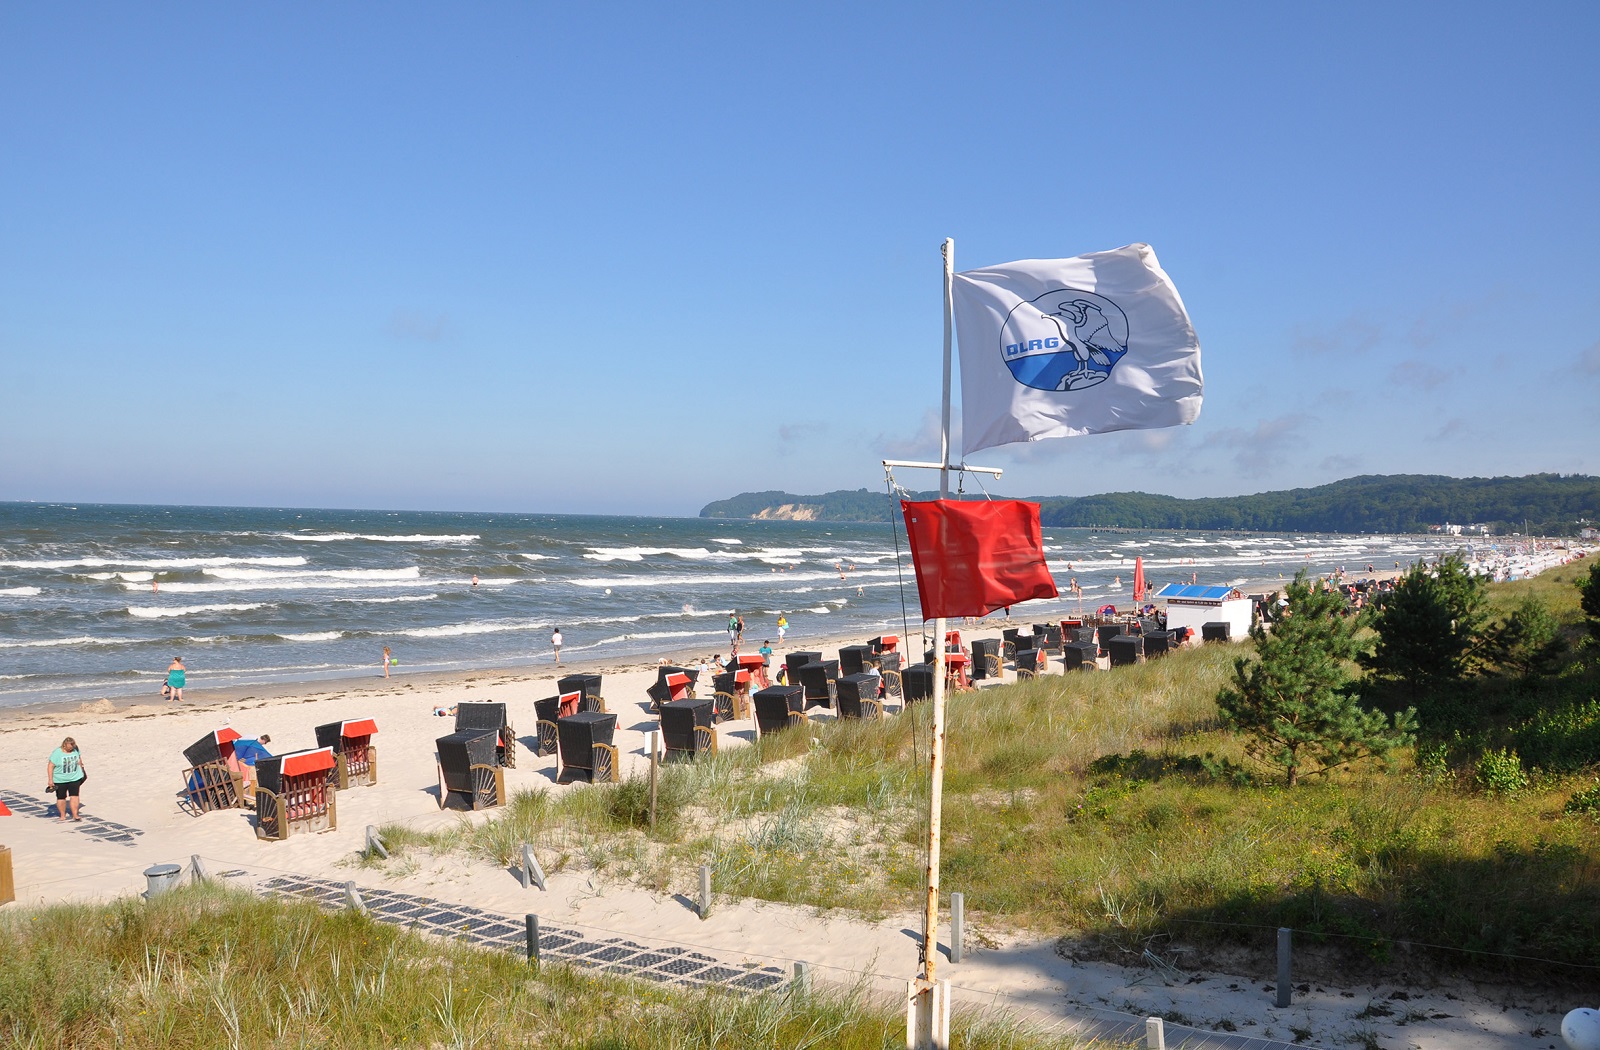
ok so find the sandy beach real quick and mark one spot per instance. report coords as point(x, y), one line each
point(133, 755)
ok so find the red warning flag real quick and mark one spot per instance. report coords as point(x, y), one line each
point(4, 812)
point(973, 558)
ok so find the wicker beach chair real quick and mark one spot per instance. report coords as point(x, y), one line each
point(491, 716)
point(986, 659)
point(779, 707)
point(470, 774)
point(353, 751)
point(548, 712)
point(588, 685)
point(587, 752)
point(819, 679)
point(213, 780)
point(687, 730)
point(1126, 649)
point(294, 793)
point(916, 683)
point(858, 696)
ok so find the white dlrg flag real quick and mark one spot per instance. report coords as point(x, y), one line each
point(1062, 347)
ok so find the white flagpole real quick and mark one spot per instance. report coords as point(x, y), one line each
point(930, 917)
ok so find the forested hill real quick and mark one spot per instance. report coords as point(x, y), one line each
point(1551, 504)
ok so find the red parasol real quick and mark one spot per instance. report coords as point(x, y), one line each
point(1138, 581)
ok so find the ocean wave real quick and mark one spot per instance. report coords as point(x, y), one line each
point(731, 579)
point(42, 643)
point(455, 630)
point(537, 557)
point(335, 537)
point(387, 601)
point(643, 635)
point(21, 592)
point(146, 612)
point(313, 636)
point(641, 553)
point(411, 572)
point(302, 584)
point(148, 563)
point(728, 540)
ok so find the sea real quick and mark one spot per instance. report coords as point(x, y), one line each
point(95, 600)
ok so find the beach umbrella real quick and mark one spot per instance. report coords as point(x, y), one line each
point(1138, 580)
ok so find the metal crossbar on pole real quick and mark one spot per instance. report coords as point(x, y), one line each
point(947, 465)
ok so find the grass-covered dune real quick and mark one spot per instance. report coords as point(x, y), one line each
point(211, 967)
point(1117, 809)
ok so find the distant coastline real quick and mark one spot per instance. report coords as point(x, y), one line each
point(1536, 504)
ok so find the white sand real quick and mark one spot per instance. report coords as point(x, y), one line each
point(134, 760)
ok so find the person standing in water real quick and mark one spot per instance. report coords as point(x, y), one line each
point(555, 644)
point(65, 769)
point(175, 680)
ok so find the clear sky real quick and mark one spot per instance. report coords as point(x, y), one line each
point(632, 258)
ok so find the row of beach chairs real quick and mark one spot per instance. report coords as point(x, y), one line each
point(291, 792)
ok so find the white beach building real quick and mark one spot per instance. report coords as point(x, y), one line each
point(1194, 605)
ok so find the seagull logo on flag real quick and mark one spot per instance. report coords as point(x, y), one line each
point(1066, 339)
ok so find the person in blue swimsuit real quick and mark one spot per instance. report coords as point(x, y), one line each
point(175, 677)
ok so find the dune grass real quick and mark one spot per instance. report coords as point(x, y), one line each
point(210, 967)
point(1116, 807)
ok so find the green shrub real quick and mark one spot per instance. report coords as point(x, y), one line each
point(1585, 801)
point(1563, 740)
point(1500, 772)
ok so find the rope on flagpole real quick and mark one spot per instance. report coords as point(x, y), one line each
point(891, 487)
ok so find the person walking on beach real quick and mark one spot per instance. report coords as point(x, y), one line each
point(555, 643)
point(387, 660)
point(66, 774)
point(783, 627)
point(175, 679)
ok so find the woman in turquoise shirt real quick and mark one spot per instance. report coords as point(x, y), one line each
point(65, 769)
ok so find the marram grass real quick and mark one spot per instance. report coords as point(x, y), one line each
point(1043, 831)
point(213, 967)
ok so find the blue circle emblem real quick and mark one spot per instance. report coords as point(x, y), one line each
point(1065, 339)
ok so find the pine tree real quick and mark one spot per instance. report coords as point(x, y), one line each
point(1429, 628)
point(1589, 588)
point(1295, 701)
point(1529, 643)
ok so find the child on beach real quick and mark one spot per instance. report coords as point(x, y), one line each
point(387, 660)
point(783, 627)
point(555, 643)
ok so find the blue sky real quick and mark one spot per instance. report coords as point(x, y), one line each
point(631, 258)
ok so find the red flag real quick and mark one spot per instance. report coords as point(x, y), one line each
point(1138, 580)
point(973, 558)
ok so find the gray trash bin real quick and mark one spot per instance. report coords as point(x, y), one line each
point(160, 878)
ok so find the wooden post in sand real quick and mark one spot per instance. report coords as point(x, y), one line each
point(655, 760)
point(1285, 936)
point(8, 888)
point(705, 890)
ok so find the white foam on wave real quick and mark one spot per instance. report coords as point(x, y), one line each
point(21, 592)
point(411, 572)
point(387, 601)
point(41, 643)
point(146, 612)
point(537, 557)
point(147, 563)
point(186, 587)
point(681, 580)
point(641, 553)
point(313, 636)
point(728, 540)
point(335, 537)
point(456, 630)
point(641, 635)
